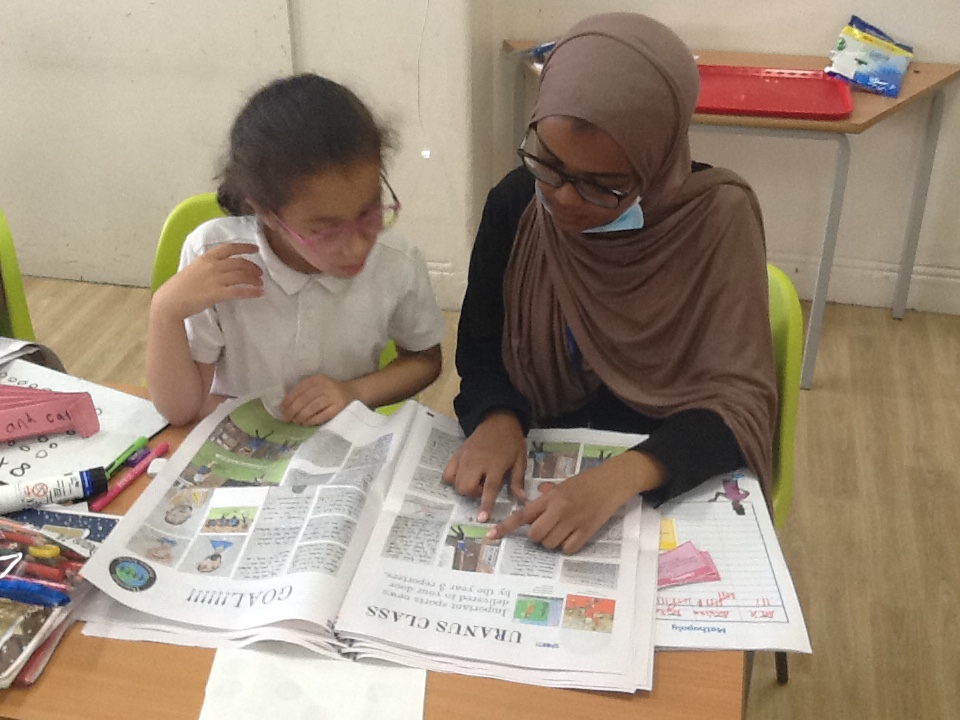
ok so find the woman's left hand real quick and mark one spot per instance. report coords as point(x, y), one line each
point(315, 400)
point(568, 514)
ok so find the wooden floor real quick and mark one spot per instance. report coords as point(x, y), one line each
point(873, 537)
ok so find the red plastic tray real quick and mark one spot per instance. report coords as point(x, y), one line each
point(773, 92)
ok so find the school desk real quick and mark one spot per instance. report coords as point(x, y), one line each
point(923, 81)
point(99, 679)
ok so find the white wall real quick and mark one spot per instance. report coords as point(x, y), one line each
point(793, 177)
point(112, 111)
point(409, 61)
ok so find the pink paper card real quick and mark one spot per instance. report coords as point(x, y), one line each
point(685, 564)
point(27, 412)
point(12, 397)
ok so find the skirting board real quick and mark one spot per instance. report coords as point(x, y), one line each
point(852, 282)
point(871, 283)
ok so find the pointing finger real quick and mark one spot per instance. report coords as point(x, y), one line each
point(518, 518)
point(488, 498)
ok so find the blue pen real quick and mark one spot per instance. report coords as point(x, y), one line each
point(30, 593)
point(538, 51)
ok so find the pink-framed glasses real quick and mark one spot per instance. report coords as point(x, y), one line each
point(370, 222)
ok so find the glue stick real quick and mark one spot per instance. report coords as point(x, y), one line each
point(35, 493)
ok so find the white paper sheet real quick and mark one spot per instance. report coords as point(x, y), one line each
point(280, 681)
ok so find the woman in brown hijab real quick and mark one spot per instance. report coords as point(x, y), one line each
point(617, 285)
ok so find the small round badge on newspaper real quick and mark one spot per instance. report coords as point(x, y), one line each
point(132, 574)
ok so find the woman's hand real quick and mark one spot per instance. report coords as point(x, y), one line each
point(568, 514)
point(216, 276)
point(315, 400)
point(477, 469)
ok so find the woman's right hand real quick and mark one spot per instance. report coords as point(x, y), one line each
point(477, 469)
point(217, 275)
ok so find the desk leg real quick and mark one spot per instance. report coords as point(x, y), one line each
point(829, 233)
point(748, 657)
point(826, 262)
point(918, 205)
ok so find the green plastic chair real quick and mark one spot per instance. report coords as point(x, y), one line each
point(786, 323)
point(181, 222)
point(14, 315)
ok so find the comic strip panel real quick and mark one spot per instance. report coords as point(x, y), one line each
point(213, 556)
point(536, 610)
point(181, 510)
point(156, 545)
point(584, 612)
point(556, 460)
point(469, 549)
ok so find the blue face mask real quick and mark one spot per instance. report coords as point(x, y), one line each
point(631, 219)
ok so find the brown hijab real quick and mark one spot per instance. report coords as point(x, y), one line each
point(671, 317)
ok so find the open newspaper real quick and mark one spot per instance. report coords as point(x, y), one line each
point(345, 540)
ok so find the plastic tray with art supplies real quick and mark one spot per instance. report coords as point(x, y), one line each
point(40, 585)
point(772, 92)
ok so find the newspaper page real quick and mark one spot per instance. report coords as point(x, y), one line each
point(753, 604)
point(254, 521)
point(433, 591)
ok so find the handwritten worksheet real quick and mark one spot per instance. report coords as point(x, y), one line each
point(123, 418)
point(753, 605)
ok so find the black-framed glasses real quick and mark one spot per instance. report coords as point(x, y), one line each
point(549, 174)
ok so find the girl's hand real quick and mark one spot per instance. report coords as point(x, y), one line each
point(568, 514)
point(479, 465)
point(315, 400)
point(213, 277)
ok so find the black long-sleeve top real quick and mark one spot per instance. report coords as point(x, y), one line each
point(692, 445)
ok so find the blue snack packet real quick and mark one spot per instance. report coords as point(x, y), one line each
point(869, 58)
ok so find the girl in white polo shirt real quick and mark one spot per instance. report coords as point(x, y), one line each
point(297, 292)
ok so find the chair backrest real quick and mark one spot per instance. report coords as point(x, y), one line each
point(786, 323)
point(182, 220)
point(14, 315)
